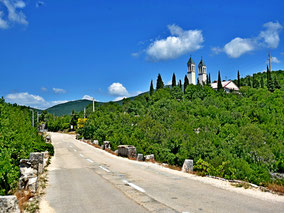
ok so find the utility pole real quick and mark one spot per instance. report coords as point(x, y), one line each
point(269, 61)
point(93, 105)
point(33, 118)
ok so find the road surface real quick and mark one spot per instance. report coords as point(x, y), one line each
point(86, 179)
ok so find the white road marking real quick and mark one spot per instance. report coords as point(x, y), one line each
point(90, 160)
point(75, 150)
point(81, 155)
point(103, 168)
point(134, 186)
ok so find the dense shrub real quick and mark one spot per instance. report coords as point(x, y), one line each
point(17, 139)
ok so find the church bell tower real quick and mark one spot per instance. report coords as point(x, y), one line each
point(202, 72)
point(191, 71)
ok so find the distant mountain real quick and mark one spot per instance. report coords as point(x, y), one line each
point(77, 106)
point(68, 107)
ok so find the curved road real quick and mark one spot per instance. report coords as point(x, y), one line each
point(85, 179)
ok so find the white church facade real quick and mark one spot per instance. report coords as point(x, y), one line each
point(202, 76)
point(202, 69)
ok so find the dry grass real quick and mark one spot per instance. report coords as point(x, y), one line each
point(23, 196)
point(276, 188)
point(173, 167)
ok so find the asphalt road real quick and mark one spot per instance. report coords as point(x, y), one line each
point(86, 179)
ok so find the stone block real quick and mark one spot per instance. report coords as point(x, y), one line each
point(45, 158)
point(36, 159)
point(32, 184)
point(107, 145)
point(150, 157)
point(187, 166)
point(140, 157)
point(127, 151)
point(9, 204)
point(96, 142)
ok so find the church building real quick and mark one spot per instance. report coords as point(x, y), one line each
point(202, 77)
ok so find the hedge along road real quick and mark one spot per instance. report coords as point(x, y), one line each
point(86, 179)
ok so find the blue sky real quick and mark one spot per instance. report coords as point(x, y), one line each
point(55, 51)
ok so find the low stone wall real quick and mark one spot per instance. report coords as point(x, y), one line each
point(9, 204)
point(127, 151)
point(30, 169)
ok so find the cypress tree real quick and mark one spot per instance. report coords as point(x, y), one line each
point(151, 88)
point(179, 84)
point(270, 83)
point(186, 83)
point(239, 80)
point(249, 83)
point(209, 79)
point(160, 83)
point(174, 82)
point(261, 82)
point(255, 83)
point(219, 84)
point(276, 83)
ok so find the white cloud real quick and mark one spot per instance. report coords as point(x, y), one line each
point(88, 97)
point(52, 103)
point(14, 13)
point(40, 3)
point(25, 98)
point(238, 46)
point(44, 89)
point(117, 89)
point(58, 90)
point(35, 101)
point(3, 23)
point(274, 60)
point(119, 98)
point(135, 54)
point(268, 38)
point(180, 42)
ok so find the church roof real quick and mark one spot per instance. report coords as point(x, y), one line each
point(201, 63)
point(190, 61)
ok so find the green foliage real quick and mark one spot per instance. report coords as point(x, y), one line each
point(160, 83)
point(219, 83)
point(174, 82)
point(151, 88)
point(186, 83)
point(235, 136)
point(17, 140)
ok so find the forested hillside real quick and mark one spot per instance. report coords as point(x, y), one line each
point(236, 136)
point(17, 139)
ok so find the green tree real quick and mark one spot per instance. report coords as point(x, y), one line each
point(270, 83)
point(174, 82)
point(239, 80)
point(219, 83)
point(151, 88)
point(209, 79)
point(160, 83)
point(180, 84)
point(249, 81)
point(276, 83)
point(186, 83)
point(261, 82)
point(255, 83)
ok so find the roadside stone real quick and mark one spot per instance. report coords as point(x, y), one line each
point(36, 159)
point(116, 152)
point(150, 157)
point(9, 204)
point(33, 184)
point(96, 142)
point(140, 157)
point(48, 139)
point(187, 166)
point(77, 136)
point(127, 151)
point(107, 145)
point(45, 158)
